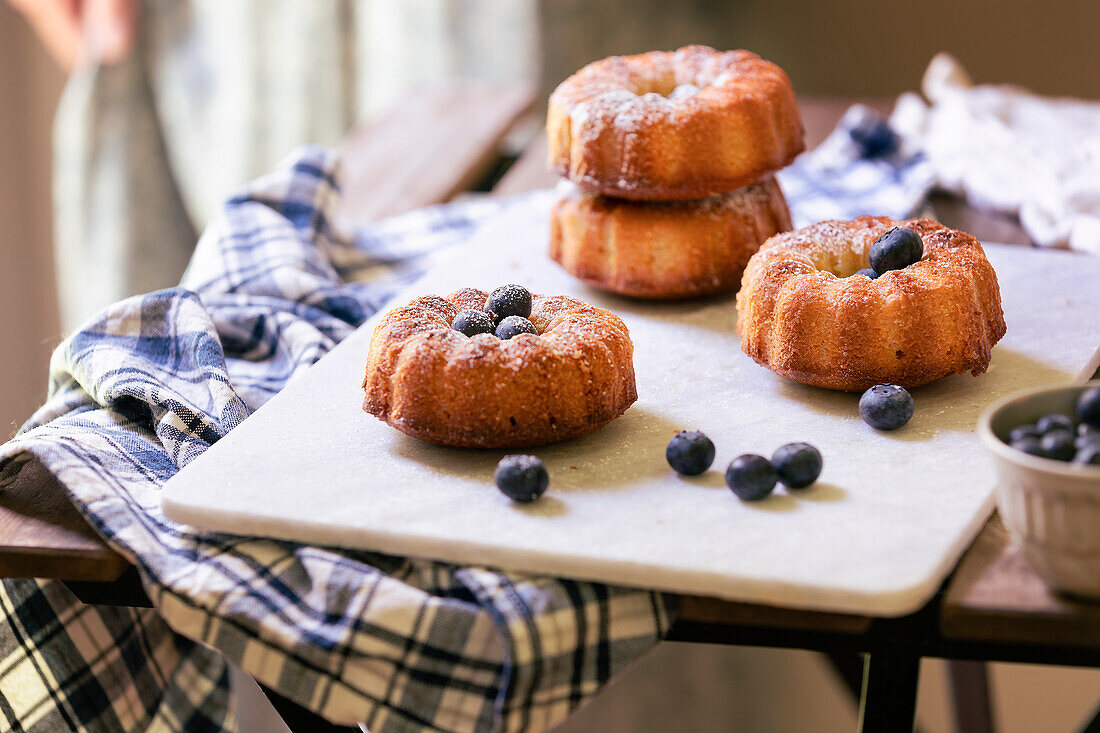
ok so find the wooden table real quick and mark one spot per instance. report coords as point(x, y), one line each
point(445, 141)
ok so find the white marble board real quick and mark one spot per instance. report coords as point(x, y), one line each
point(877, 534)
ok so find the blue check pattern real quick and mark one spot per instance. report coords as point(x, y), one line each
point(401, 645)
point(863, 168)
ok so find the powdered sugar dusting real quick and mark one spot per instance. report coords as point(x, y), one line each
point(629, 91)
point(657, 126)
point(683, 91)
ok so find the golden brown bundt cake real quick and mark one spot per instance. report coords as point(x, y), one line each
point(659, 250)
point(804, 313)
point(673, 125)
point(437, 384)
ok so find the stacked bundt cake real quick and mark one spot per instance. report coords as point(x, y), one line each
point(669, 159)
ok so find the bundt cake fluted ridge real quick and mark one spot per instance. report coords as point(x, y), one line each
point(665, 250)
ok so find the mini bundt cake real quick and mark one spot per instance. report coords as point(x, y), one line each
point(678, 249)
point(674, 125)
point(807, 311)
point(433, 382)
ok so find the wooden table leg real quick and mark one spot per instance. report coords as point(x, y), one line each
point(1093, 726)
point(889, 699)
point(849, 669)
point(970, 696)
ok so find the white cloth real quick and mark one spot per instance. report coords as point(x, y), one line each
point(1008, 149)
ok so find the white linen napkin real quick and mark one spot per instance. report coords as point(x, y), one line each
point(1008, 149)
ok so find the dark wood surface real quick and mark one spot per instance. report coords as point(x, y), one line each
point(43, 535)
point(993, 596)
point(434, 144)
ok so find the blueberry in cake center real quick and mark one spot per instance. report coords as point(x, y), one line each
point(505, 314)
point(898, 248)
point(471, 323)
point(513, 326)
point(508, 300)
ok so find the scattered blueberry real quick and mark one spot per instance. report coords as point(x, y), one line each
point(896, 249)
point(1055, 422)
point(1024, 431)
point(690, 452)
point(875, 138)
point(514, 326)
point(521, 478)
point(1084, 429)
point(1089, 456)
point(509, 300)
point(1088, 407)
point(751, 477)
point(886, 406)
point(1058, 444)
point(798, 464)
point(868, 272)
point(1029, 445)
point(472, 322)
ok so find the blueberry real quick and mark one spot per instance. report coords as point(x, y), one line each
point(514, 326)
point(509, 300)
point(690, 453)
point(751, 477)
point(897, 248)
point(1089, 456)
point(521, 478)
point(1055, 422)
point(874, 138)
point(1058, 444)
point(1086, 439)
point(1085, 429)
point(798, 464)
point(472, 322)
point(1029, 445)
point(1088, 407)
point(886, 406)
point(1024, 431)
point(868, 272)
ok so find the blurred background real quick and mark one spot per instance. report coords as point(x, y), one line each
point(343, 62)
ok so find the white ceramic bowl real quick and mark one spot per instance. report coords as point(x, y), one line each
point(1051, 508)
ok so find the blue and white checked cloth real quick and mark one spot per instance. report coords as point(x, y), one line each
point(403, 645)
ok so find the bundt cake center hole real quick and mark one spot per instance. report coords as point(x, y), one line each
point(843, 264)
point(844, 270)
point(669, 85)
point(656, 86)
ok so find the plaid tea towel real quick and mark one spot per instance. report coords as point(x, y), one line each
point(402, 645)
point(862, 168)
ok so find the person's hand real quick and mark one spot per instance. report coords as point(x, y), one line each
point(77, 30)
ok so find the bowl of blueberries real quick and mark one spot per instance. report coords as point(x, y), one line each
point(1046, 448)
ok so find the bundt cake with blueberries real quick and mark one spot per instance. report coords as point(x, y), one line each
point(664, 250)
point(511, 372)
point(810, 308)
point(676, 125)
